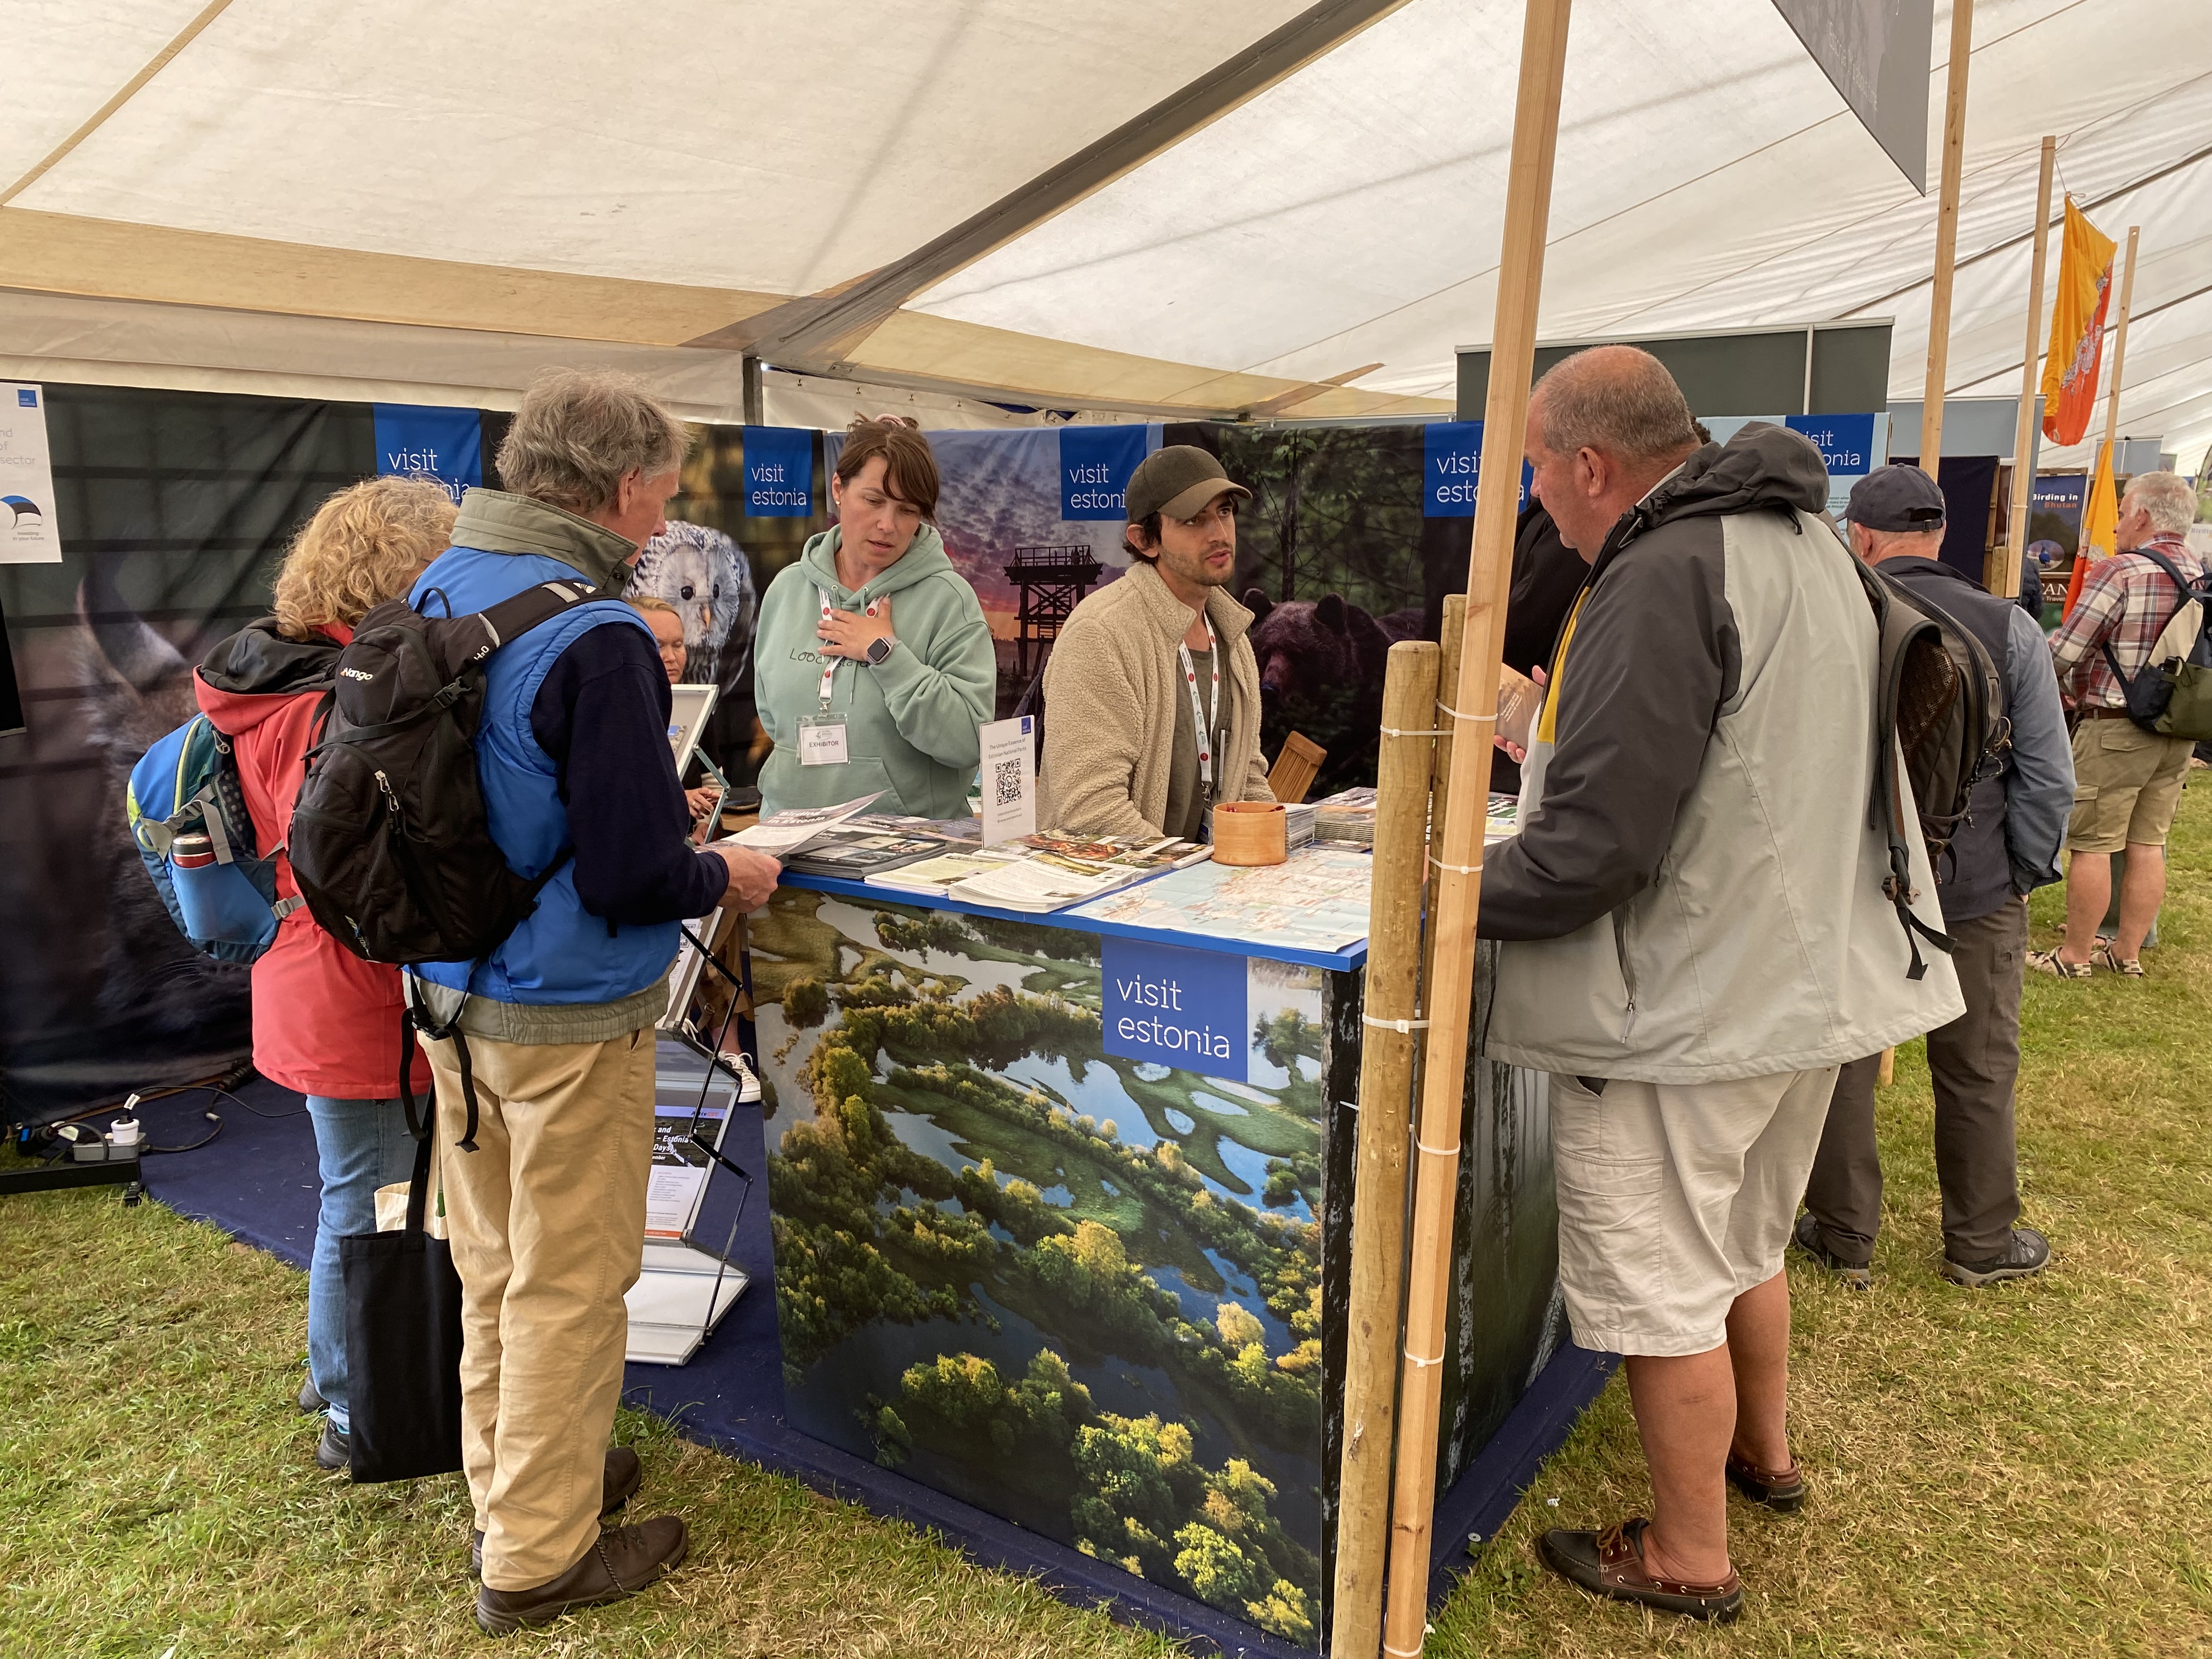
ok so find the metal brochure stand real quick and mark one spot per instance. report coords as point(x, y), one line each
point(684, 1286)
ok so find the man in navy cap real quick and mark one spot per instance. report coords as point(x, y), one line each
point(2007, 848)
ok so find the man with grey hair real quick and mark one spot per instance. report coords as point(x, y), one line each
point(2127, 781)
point(1699, 932)
point(543, 1051)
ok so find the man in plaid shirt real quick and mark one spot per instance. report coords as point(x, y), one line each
point(2127, 781)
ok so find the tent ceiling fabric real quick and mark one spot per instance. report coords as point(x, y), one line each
point(542, 173)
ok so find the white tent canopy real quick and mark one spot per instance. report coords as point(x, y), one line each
point(1129, 204)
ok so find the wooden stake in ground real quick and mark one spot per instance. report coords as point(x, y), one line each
point(2120, 356)
point(1946, 237)
point(1386, 1098)
point(2005, 581)
point(1457, 890)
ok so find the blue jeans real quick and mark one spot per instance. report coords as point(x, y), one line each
point(362, 1145)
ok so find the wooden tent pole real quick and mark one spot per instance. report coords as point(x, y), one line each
point(1457, 890)
point(1383, 1140)
point(1947, 236)
point(2006, 581)
point(2120, 356)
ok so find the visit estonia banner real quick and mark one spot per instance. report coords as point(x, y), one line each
point(415, 440)
point(779, 473)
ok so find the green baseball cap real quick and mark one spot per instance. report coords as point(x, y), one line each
point(1178, 481)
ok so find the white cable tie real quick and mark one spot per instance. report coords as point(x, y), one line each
point(1491, 717)
point(1396, 732)
point(1436, 1152)
point(1412, 1359)
point(1402, 1027)
point(1456, 869)
point(1401, 1653)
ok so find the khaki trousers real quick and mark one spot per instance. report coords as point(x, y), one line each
point(1973, 1062)
point(547, 1224)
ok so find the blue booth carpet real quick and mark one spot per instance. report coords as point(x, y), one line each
point(256, 1179)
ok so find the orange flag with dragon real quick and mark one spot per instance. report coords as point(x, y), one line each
point(2077, 329)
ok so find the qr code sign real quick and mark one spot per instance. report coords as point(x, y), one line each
point(1006, 782)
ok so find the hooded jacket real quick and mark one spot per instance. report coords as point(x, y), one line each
point(1110, 692)
point(325, 1022)
point(910, 721)
point(1696, 891)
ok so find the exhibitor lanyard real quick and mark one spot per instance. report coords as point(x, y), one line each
point(830, 667)
point(1200, 718)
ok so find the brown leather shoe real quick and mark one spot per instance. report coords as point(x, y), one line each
point(619, 1484)
point(620, 1562)
point(1781, 1490)
point(1610, 1564)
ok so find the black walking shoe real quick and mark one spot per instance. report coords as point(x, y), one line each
point(619, 1562)
point(310, 1401)
point(619, 1484)
point(2029, 1253)
point(1806, 1237)
point(335, 1450)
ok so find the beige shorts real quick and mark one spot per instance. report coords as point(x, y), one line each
point(2127, 783)
point(1675, 1199)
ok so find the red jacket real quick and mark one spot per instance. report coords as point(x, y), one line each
point(325, 1022)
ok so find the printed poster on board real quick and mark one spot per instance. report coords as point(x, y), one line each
point(30, 534)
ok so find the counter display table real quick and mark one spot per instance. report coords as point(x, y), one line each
point(1061, 1214)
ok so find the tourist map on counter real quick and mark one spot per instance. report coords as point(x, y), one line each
point(1316, 901)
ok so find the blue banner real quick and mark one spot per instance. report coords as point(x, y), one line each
point(779, 473)
point(418, 441)
point(1175, 1006)
point(1451, 468)
point(1095, 465)
point(1846, 442)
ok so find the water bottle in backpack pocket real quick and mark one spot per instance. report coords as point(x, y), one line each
point(188, 816)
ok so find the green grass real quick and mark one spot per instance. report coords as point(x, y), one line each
point(2017, 1472)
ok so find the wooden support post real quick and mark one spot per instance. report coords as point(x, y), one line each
point(1946, 237)
point(2120, 356)
point(1457, 890)
point(1386, 1101)
point(1886, 1073)
point(1454, 631)
point(2005, 581)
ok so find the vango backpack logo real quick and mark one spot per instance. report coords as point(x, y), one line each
point(356, 674)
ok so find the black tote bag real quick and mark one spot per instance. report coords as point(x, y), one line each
point(404, 1341)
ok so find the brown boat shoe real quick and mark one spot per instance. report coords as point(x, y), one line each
point(1781, 1490)
point(620, 1562)
point(1610, 1564)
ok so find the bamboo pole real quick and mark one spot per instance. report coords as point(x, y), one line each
point(1457, 889)
point(1455, 635)
point(2006, 581)
point(1385, 1120)
point(1947, 236)
point(2120, 356)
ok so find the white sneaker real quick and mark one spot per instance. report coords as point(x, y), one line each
point(749, 1089)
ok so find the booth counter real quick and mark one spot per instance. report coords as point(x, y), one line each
point(1061, 1215)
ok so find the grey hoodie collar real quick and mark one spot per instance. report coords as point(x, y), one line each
point(495, 521)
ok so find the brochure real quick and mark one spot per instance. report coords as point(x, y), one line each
point(798, 828)
point(856, 854)
point(929, 877)
point(1131, 852)
point(1047, 881)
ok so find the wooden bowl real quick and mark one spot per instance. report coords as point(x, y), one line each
point(1250, 832)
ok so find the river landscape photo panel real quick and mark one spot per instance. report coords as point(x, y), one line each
point(1023, 1258)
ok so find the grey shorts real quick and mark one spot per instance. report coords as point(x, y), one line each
point(1675, 1199)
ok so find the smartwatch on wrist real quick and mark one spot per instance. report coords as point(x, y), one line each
point(877, 650)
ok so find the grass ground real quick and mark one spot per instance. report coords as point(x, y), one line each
point(2019, 1472)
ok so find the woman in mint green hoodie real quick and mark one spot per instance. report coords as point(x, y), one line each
point(873, 664)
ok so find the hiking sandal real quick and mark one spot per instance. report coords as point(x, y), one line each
point(2050, 962)
point(2106, 956)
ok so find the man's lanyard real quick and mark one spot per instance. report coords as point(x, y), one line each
point(1200, 717)
point(829, 665)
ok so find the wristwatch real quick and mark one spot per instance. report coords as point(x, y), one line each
point(877, 650)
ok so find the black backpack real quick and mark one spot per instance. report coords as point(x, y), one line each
point(1942, 697)
point(391, 844)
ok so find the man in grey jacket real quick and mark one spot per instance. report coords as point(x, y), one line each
point(1699, 935)
point(2006, 849)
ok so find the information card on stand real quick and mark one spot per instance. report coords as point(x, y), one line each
point(1009, 779)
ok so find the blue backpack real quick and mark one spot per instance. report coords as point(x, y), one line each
point(187, 784)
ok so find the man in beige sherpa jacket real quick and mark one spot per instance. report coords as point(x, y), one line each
point(1152, 695)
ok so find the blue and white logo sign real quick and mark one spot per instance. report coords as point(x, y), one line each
point(779, 473)
point(443, 445)
point(27, 397)
point(1095, 465)
point(1851, 446)
point(28, 532)
point(1175, 1006)
point(1451, 468)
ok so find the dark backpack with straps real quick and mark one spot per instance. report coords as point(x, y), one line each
point(1940, 695)
point(390, 843)
point(2172, 694)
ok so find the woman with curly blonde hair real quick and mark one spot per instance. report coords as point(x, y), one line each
point(325, 1022)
